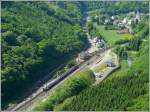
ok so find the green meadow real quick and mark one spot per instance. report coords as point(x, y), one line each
point(111, 36)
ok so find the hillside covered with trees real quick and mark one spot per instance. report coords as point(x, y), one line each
point(36, 38)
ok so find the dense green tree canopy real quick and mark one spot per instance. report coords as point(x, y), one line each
point(113, 8)
point(36, 36)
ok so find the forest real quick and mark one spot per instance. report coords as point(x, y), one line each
point(126, 89)
point(36, 38)
point(116, 7)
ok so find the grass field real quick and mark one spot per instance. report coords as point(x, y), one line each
point(132, 54)
point(100, 68)
point(111, 36)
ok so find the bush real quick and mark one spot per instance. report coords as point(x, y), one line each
point(123, 41)
point(71, 87)
point(125, 89)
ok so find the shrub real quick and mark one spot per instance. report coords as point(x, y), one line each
point(71, 87)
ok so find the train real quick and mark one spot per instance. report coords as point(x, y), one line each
point(50, 85)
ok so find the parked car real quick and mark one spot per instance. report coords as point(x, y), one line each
point(110, 64)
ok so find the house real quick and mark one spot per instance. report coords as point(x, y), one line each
point(112, 17)
point(137, 16)
point(129, 22)
point(82, 57)
point(95, 40)
point(107, 21)
point(125, 21)
point(99, 43)
point(96, 16)
point(115, 22)
point(121, 25)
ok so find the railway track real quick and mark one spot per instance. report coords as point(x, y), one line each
point(46, 88)
point(50, 85)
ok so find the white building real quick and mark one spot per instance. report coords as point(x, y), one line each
point(112, 17)
point(130, 21)
point(106, 21)
point(95, 39)
point(125, 20)
point(96, 17)
point(137, 16)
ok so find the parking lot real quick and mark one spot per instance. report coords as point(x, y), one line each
point(106, 63)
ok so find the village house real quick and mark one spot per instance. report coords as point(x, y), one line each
point(115, 22)
point(125, 20)
point(106, 21)
point(138, 16)
point(132, 20)
point(121, 26)
point(82, 57)
point(95, 40)
point(113, 17)
point(96, 16)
